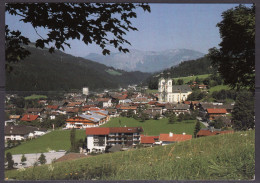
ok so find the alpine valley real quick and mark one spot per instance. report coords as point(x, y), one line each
point(146, 61)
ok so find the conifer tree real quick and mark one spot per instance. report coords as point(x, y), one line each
point(23, 158)
point(42, 159)
point(197, 128)
point(10, 161)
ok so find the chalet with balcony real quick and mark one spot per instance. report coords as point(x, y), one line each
point(100, 139)
point(87, 120)
point(212, 113)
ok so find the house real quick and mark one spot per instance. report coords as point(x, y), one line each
point(29, 117)
point(15, 117)
point(106, 102)
point(87, 120)
point(149, 140)
point(52, 107)
point(172, 93)
point(98, 139)
point(35, 111)
point(20, 132)
point(212, 113)
point(74, 104)
point(169, 138)
point(126, 108)
point(181, 108)
point(153, 111)
point(125, 101)
point(211, 132)
point(112, 112)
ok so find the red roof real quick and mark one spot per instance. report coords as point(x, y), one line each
point(152, 102)
point(125, 129)
point(128, 107)
point(204, 132)
point(53, 107)
point(29, 117)
point(97, 131)
point(122, 97)
point(148, 139)
point(73, 104)
point(174, 138)
point(216, 111)
point(103, 99)
point(107, 130)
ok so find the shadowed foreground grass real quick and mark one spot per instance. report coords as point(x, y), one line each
point(221, 157)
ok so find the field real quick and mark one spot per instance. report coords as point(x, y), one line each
point(113, 72)
point(188, 78)
point(55, 140)
point(218, 88)
point(221, 157)
point(32, 97)
point(155, 127)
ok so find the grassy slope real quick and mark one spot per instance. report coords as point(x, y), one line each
point(221, 157)
point(155, 127)
point(60, 139)
point(188, 78)
point(218, 88)
point(36, 97)
point(113, 72)
point(56, 140)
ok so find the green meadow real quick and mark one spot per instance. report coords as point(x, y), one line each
point(54, 140)
point(220, 157)
point(33, 97)
point(155, 127)
point(188, 78)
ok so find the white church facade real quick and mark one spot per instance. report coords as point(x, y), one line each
point(172, 93)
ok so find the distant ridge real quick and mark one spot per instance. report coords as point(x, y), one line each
point(146, 61)
point(42, 71)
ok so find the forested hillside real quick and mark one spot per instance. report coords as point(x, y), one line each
point(43, 71)
point(187, 68)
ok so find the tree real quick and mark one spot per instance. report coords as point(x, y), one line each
point(144, 116)
point(235, 59)
point(157, 116)
point(180, 81)
point(218, 123)
point(172, 118)
point(180, 117)
point(130, 113)
point(104, 24)
point(73, 140)
point(10, 161)
point(197, 128)
point(243, 115)
point(23, 158)
point(42, 159)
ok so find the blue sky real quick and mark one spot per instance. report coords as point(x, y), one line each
point(168, 26)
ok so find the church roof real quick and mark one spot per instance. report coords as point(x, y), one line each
point(181, 88)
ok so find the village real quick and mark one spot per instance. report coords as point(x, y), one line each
point(87, 111)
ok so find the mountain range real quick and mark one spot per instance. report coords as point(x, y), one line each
point(145, 61)
point(43, 71)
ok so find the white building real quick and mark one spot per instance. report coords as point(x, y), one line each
point(98, 139)
point(85, 90)
point(172, 93)
point(19, 132)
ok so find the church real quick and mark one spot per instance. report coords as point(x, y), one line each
point(172, 93)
